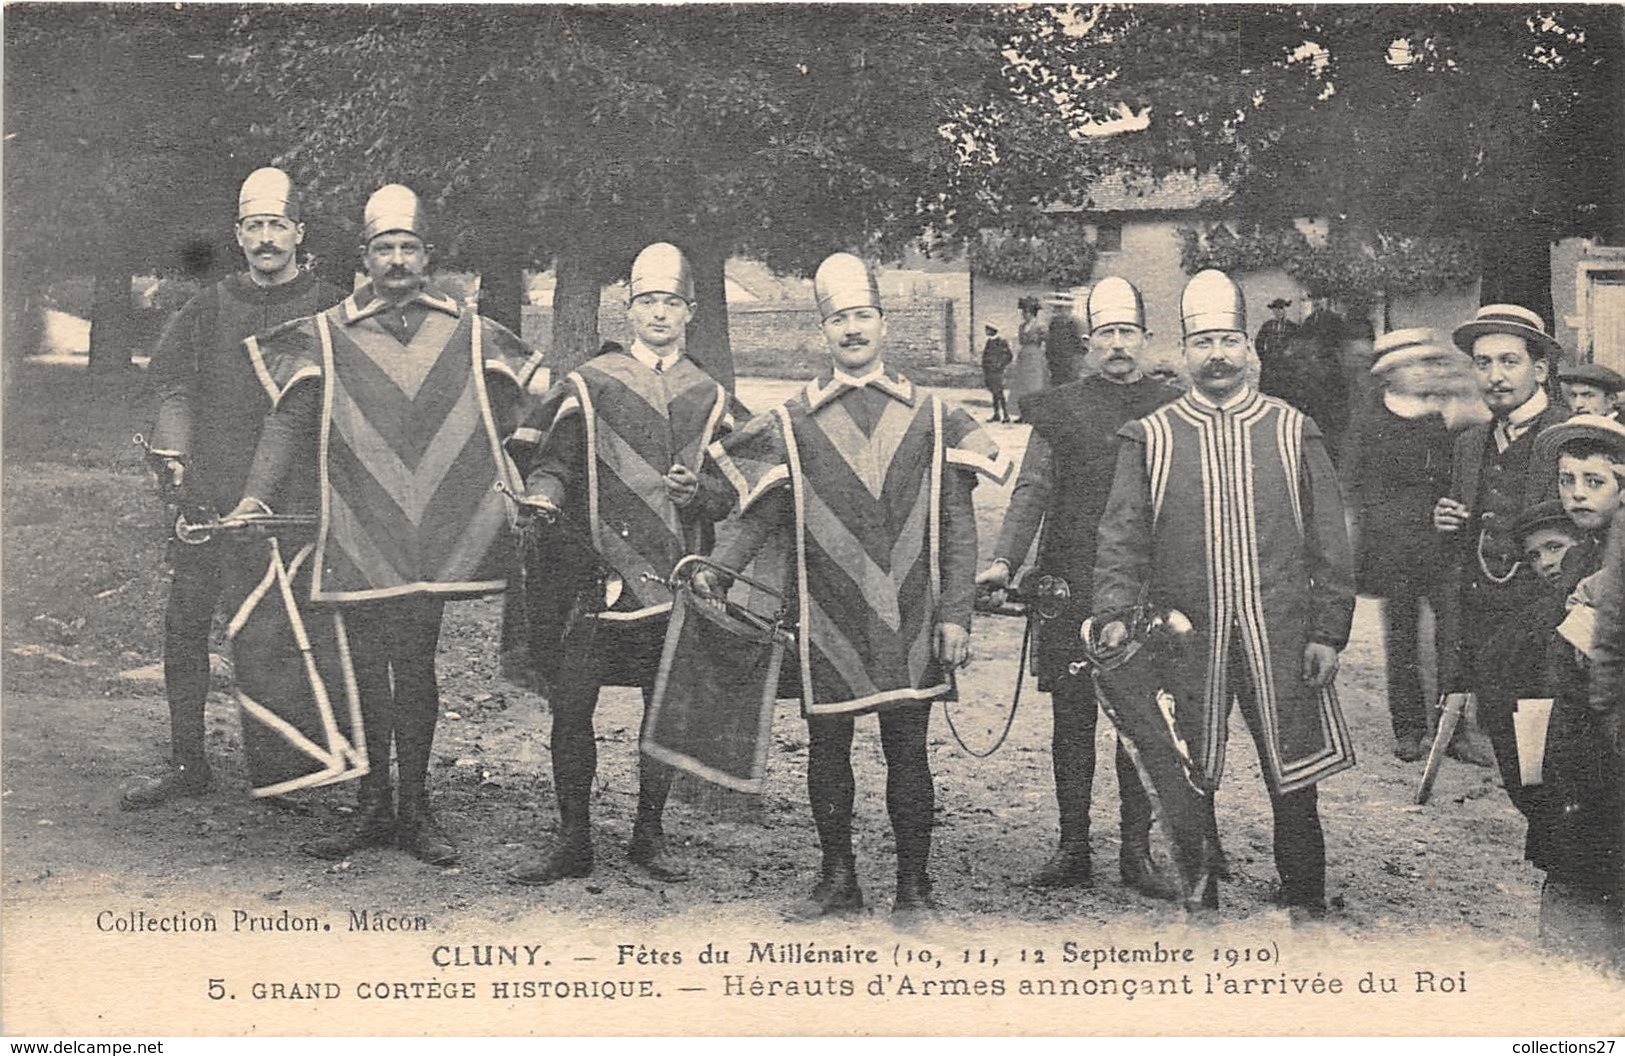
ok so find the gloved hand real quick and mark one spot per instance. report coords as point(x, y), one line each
point(167, 474)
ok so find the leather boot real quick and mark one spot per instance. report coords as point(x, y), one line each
point(1138, 871)
point(372, 826)
point(836, 892)
point(421, 835)
point(914, 901)
point(647, 851)
point(1068, 867)
point(571, 856)
point(178, 783)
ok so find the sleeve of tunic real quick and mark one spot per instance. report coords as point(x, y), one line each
point(290, 436)
point(958, 548)
point(772, 512)
point(1328, 559)
point(1028, 501)
point(560, 460)
point(174, 369)
point(1123, 551)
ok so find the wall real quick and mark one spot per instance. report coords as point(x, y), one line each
point(784, 340)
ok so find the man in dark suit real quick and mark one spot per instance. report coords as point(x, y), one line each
point(1493, 478)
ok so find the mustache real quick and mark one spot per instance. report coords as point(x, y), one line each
point(854, 342)
point(1218, 369)
point(267, 247)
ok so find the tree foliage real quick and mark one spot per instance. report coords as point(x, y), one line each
point(1404, 121)
point(1343, 266)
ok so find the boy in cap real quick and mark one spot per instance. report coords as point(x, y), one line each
point(210, 409)
point(1546, 535)
point(1580, 902)
point(996, 356)
point(625, 435)
point(399, 398)
point(871, 479)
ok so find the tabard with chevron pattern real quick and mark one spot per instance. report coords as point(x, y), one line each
point(409, 451)
point(638, 423)
point(867, 493)
point(1233, 516)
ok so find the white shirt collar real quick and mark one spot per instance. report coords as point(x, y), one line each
point(653, 360)
point(874, 373)
point(1529, 410)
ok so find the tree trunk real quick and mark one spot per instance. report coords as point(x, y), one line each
point(575, 313)
point(24, 321)
point(502, 287)
point(112, 317)
point(708, 343)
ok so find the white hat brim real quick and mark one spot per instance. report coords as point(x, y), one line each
point(1468, 332)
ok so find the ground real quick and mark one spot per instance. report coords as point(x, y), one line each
point(82, 603)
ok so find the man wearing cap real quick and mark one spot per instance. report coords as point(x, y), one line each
point(871, 479)
point(1591, 388)
point(1064, 346)
point(1225, 507)
point(996, 356)
point(397, 399)
point(210, 408)
point(1305, 368)
point(1276, 333)
point(626, 434)
point(1065, 477)
point(1397, 471)
point(1492, 479)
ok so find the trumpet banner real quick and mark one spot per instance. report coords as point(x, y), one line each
point(712, 710)
point(296, 689)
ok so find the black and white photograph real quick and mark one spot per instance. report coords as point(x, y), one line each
point(812, 519)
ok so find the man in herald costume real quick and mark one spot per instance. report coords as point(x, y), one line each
point(1493, 478)
point(1225, 507)
point(399, 399)
point(626, 434)
point(873, 479)
point(1065, 478)
point(210, 408)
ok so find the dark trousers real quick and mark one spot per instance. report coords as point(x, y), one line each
point(995, 386)
point(1300, 845)
point(910, 793)
point(1072, 752)
point(1402, 631)
point(575, 748)
point(201, 576)
point(392, 645)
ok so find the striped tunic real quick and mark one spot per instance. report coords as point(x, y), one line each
point(866, 486)
point(636, 423)
point(409, 451)
point(1233, 516)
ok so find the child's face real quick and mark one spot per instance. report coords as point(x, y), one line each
point(1589, 488)
point(1544, 549)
